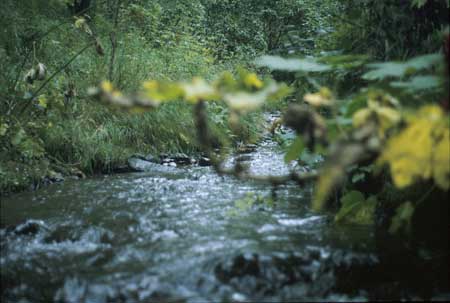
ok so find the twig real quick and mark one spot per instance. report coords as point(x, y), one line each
point(299, 178)
point(426, 194)
point(40, 37)
point(205, 138)
point(114, 41)
point(53, 75)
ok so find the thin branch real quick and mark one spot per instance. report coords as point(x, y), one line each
point(113, 39)
point(60, 69)
point(426, 194)
point(299, 178)
point(40, 37)
point(205, 138)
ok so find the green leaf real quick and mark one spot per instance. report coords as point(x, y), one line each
point(418, 3)
point(18, 137)
point(384, 70)
point(354, 105)
point(356, 209)
point(402, 219)
point(295, 150)
point(3, 129)
point(345, 61)
point(358, 177)
point(305, 65)
point(381, 71)
point(425, 61)
point(418, 83)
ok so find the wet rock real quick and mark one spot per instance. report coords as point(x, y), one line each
point(246, 149)
point(244, 158)
point(151, 158)
point(204, 161)
point(30, 227)
point(74, 290)
point(55, 177)
point(163, 155)
point(179, 159)
point(123, 169)
point(139, 156)
point(312, 273)
point(238, 297)
point(149, 289)
point(51, 178)
point(164, 235)
point(77, 173)
point(60, 234)
point(240, 266)
point(138, 165)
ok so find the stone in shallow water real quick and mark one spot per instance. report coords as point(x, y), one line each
point(204, 161)
point(29, 227)
point(164, 235)
point(310, 274)
point(151, 158)
point(139, 165)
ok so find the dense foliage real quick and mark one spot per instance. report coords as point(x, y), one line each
point(366, 88)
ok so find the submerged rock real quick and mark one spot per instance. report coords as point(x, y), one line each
point(244, 158)
point(29, 227)
point(311, 274)
point(139, 165)
point(204, 161)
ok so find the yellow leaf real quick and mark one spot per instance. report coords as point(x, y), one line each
point(79, 23)
point(441, 161)
point(431, 112)
point(116, 93)
point(421, 150)
point(42, 101)
point(384, 116)
point(322, 98)
point(404, 172)
point(243, 102)
point(161, 91)
point(387, 117)
point(251, 81)
point(198, 90)
point(107, 86)
point(361, 117)
point(324, 186)
point(150, 85)
point(226, 82)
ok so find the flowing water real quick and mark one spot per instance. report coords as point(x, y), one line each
point(173, 234)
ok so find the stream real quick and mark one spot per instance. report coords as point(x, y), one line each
point(182, 234)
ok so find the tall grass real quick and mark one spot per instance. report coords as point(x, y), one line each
point(82, 134)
